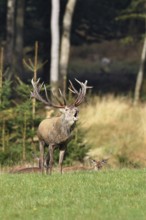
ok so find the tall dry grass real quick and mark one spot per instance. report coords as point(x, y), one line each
point(116, 129)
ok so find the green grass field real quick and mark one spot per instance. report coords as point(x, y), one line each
point(111, 194)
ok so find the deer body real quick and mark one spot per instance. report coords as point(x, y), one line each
point(26, 170)
point(96, 166)
point(56, 131)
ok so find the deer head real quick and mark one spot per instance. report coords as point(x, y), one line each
point(70, 111)
point(98, 164)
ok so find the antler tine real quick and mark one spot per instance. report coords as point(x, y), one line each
point(72, 89)
point(79, 97)
point(36, 94)
point(82, 92)
point(58, 100)
point(63, 97)
point(47, 94)
point(36, 90)
point(85, 83)
point(78, 93)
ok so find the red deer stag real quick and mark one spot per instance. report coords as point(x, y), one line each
point(56, 131)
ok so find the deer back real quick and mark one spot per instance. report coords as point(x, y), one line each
point(26, 170)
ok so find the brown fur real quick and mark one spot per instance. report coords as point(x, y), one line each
point(27, 170)
point(53, 130)
point(56, 132)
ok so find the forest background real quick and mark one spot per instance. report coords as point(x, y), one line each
point(106, 42)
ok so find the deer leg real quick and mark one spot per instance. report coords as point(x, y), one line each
point(61, 157)
point(41, 161)
point(51, 159)
point(47, 160)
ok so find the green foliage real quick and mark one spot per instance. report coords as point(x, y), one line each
point(133, 17)
point(6, 94)
point(12, 123)
point(10, 156)
point(23, 91)
point(77, 148)
point(135, 6)
point(127, 40)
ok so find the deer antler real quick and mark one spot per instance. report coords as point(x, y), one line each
point(81, 93)
point(36, 94)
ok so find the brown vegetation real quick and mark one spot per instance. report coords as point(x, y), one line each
point(116, 129)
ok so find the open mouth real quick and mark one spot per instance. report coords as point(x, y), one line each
point(76, 114)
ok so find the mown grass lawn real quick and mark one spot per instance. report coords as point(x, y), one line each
point(113, 194)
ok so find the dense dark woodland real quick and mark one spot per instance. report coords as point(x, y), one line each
point(94, 22)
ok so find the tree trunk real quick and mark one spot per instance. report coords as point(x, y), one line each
point(1, 72)
point(140, 74)
point(54, 71)
point(19, 36)
point(65, 42)
point(10, 32)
